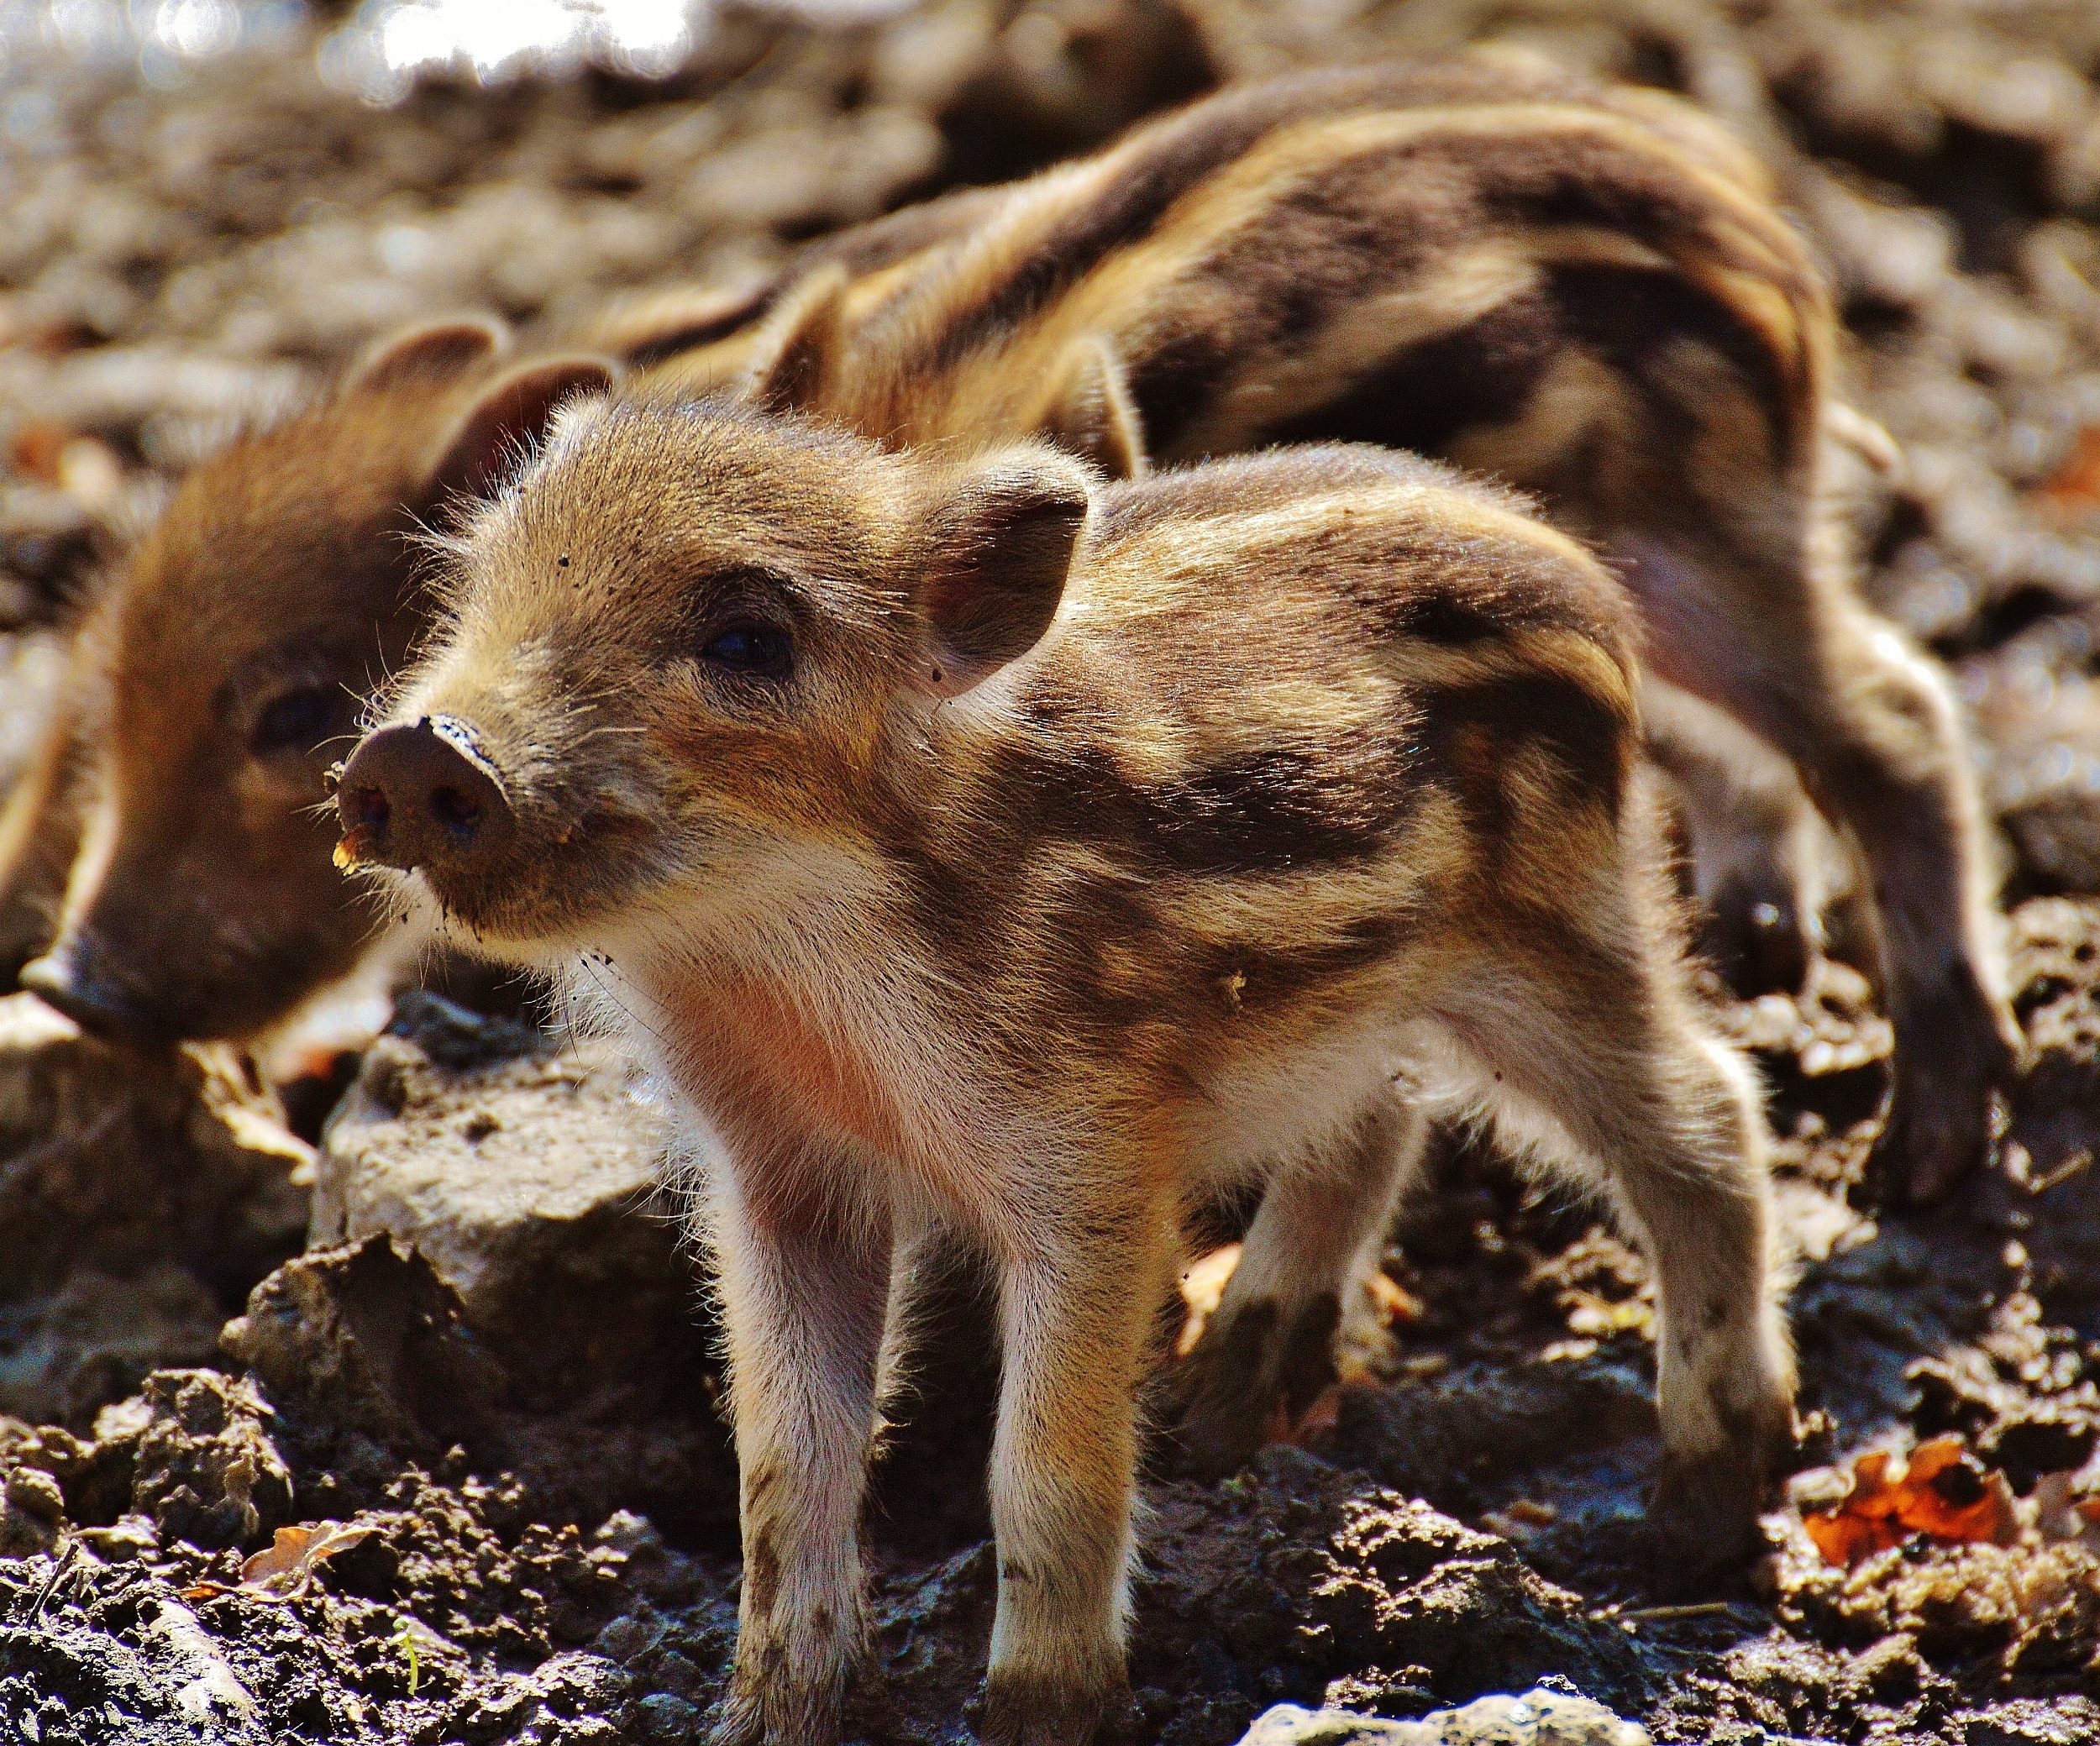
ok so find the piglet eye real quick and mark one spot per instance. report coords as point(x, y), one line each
point(751, 650)
point(297, 718)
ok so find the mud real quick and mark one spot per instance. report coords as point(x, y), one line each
point(513, 1393)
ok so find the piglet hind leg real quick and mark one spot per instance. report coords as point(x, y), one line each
point(1871, 722)
point(1077, 1301)
point(804, 1293)
point(1268, 1352)
point(1600, 1064)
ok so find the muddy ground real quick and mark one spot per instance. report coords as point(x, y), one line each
point(488, 1363)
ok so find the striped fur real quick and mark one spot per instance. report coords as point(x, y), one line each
point(1586, 292)
point(1583, 289)
point(1325, 770)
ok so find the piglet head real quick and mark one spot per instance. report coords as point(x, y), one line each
point(685, 680)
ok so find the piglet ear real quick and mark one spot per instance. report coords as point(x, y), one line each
point(1001, 548)
point(795, 348)
point(434, 353)
point(1093, 414)
point(512, 414)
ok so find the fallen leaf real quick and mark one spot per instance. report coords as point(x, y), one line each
point(36, 448)
point(1391, 1302)
point(2074, 488)
point(1591, 1317)
point(1941, 1492)
point(292, 1558)
point(1202, 1289)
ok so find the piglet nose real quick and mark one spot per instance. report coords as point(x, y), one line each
point(422, 794)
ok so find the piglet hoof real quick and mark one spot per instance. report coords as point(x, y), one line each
point(737, 1719)
point(1758, 938)
point(1703, 1520)
point(775, 1716)
point(1033, 1710)
point(1219, 1408)
point(1939, 1125)
point(1249, 1381)
point(1704, 1512)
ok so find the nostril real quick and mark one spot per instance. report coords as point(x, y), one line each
point(457, 811)
point(366, 806)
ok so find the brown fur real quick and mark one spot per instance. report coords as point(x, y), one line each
point(1588, 295)
point(1097, 846)
point(1583, 289)
point(254, 621)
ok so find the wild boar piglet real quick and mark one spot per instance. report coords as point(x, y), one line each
point(976, 846)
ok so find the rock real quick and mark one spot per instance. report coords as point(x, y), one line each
point(2026, 1723)
point(373, 1361)
point(1303, 1575)
point(95, 1339)
point(367, 1338)
point(2048, 1196)
point(207, 1470)
point(32, 1511)
point(1541, 1717)
point(526, 1177)
point(121, 1161)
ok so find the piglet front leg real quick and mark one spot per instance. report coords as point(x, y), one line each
point(1076, 1312)
point(804, 1287)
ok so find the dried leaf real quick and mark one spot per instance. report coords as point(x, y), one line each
point(1941, 1492)
point(1202, 1288)
point(1391, 1302)
point(291, 1560)
point(2074, 488)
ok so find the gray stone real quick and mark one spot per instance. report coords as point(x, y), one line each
point(528, 1182)
point(119, 1159)
point(1540, 1717)
point(2027, 1722)
point(97, 1338)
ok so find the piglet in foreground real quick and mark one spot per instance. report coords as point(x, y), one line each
point(977, 847)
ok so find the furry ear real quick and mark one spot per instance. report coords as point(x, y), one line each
point(1002, 543)
point(649, 330)
point(1093, 414)
point(436, 352)
point(512, 414)
point(797, 344)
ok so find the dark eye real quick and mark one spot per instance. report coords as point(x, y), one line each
point(751, 651)
point(297, 718)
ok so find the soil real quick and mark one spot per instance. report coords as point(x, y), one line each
point(536, 1557)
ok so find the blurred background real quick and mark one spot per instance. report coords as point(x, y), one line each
point(207, 208)
point(209, 205)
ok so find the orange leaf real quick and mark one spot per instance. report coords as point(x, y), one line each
point(1949, 1494)
point(1844, 1539)
point(2075, 486)
point(1942, 1492)
point(1391, 1302)
point(294, 1554)
point(1202, 1289)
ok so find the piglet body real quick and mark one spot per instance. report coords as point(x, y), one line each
point(978, 847)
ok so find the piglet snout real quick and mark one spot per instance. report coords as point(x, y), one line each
point(422, 794)
point(72, 977)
